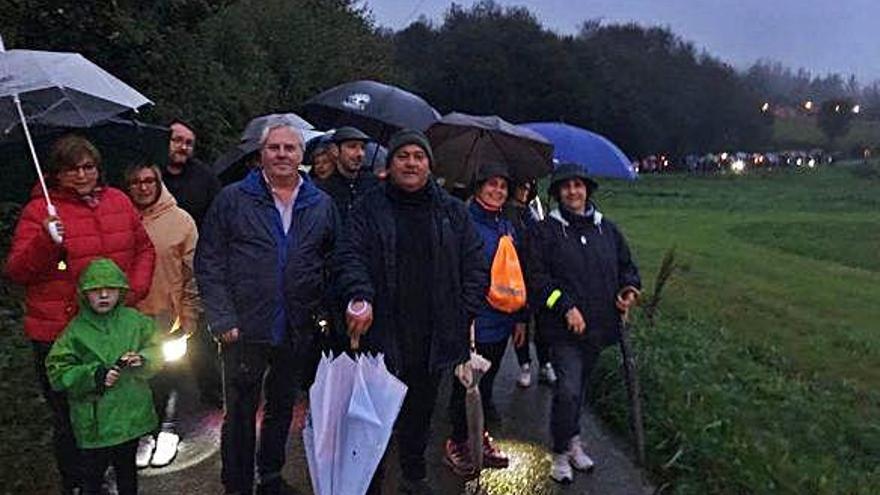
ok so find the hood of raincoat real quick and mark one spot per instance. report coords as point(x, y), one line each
point(100, 273)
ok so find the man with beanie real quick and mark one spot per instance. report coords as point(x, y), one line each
point(412, 272)
point(349, 181)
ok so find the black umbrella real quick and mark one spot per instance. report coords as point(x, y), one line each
point(462, 142)
point(121, 143)
point(375, 108)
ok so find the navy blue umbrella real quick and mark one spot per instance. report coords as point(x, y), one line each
point(571, 144)
point(375, 108)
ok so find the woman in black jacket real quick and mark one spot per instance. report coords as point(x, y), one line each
point(580, 276)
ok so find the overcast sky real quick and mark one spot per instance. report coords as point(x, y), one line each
point(823, 36)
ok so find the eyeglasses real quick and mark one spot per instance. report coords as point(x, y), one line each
point(88, 168)
point(180, 141)
point(146, 181)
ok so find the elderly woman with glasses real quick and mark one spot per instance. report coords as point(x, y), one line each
point(94, 221)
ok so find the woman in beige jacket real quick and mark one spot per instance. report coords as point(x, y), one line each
point(172, 300)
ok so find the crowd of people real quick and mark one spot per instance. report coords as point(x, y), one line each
point(271, 270)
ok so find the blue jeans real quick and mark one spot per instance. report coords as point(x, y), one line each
point(573, 362)
point(244, 366)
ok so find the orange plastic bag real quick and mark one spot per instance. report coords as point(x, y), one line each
point(507, 288)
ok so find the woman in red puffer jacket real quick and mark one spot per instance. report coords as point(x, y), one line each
point(95, 221)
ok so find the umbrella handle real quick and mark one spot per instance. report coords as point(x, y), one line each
point(473, 339)
point(355, 343)
point(53, 226)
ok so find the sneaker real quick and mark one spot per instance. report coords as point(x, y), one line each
point(547, 374)
point(166, 449)
point(146, 445)
point(493, 458)
point(525, 376)
point(458, 458)
point(576, 455)
point(560, 470)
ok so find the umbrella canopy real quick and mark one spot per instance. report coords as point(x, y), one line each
point(373, 107)
point(60, 89)
point(462, 142)
point(353, 406)
point(469, 374)
point(376, 399)
point(57, 89)
point(571, 144)
point(121, 143)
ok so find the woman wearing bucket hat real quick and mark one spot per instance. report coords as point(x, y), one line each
point(580, 277)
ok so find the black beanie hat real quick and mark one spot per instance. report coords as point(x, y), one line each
point(567, 171)
point(409, 136)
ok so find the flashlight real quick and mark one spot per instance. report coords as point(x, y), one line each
point(174, 349)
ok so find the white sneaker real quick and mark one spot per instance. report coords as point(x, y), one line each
point(547, 374)
point(576, 455)
point(525, 376)
point(560, 470)
point(166, 449)
point(146, 445)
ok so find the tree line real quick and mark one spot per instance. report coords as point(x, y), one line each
point(218, 63)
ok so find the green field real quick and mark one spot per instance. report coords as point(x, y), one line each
point(763, 371)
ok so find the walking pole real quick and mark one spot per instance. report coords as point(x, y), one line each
point(633, 390)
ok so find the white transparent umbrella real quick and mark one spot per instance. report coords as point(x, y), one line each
point(58, 89)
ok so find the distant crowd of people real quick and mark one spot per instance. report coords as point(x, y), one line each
point(309, 251)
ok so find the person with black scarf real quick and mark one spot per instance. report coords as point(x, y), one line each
point(412, 272)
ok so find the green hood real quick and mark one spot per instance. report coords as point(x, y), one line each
point(102, 272)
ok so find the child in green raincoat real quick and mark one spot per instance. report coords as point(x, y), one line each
point(103, 360)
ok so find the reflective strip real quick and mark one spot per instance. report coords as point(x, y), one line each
point(554, 296)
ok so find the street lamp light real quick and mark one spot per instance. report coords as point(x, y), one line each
point(808, 105)
point(856, 109)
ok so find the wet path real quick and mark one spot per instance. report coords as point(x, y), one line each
point(523, 434)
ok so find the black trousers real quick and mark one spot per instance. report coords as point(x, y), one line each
point(413, 427)
point(248, 370)
point(494, 352)
point(166, 394)
point(121, 457)
point(573, 362)
point(542, 350)
point(204, 360)
point(67, 455)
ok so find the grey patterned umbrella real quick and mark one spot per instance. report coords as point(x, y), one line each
point(373, 107)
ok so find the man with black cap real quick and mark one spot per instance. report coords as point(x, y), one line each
point(349, 181)
point(413, 275)
point(580, 278)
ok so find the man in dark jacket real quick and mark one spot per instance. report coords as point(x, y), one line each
point(414, 275)
point(580, 276)
point(194, 186)
point(350, 180)
point(260, 262)
point(191, 183)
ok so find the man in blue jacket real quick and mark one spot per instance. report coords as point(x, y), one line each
point(260, 262)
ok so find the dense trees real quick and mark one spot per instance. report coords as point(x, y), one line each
point(218, 63)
